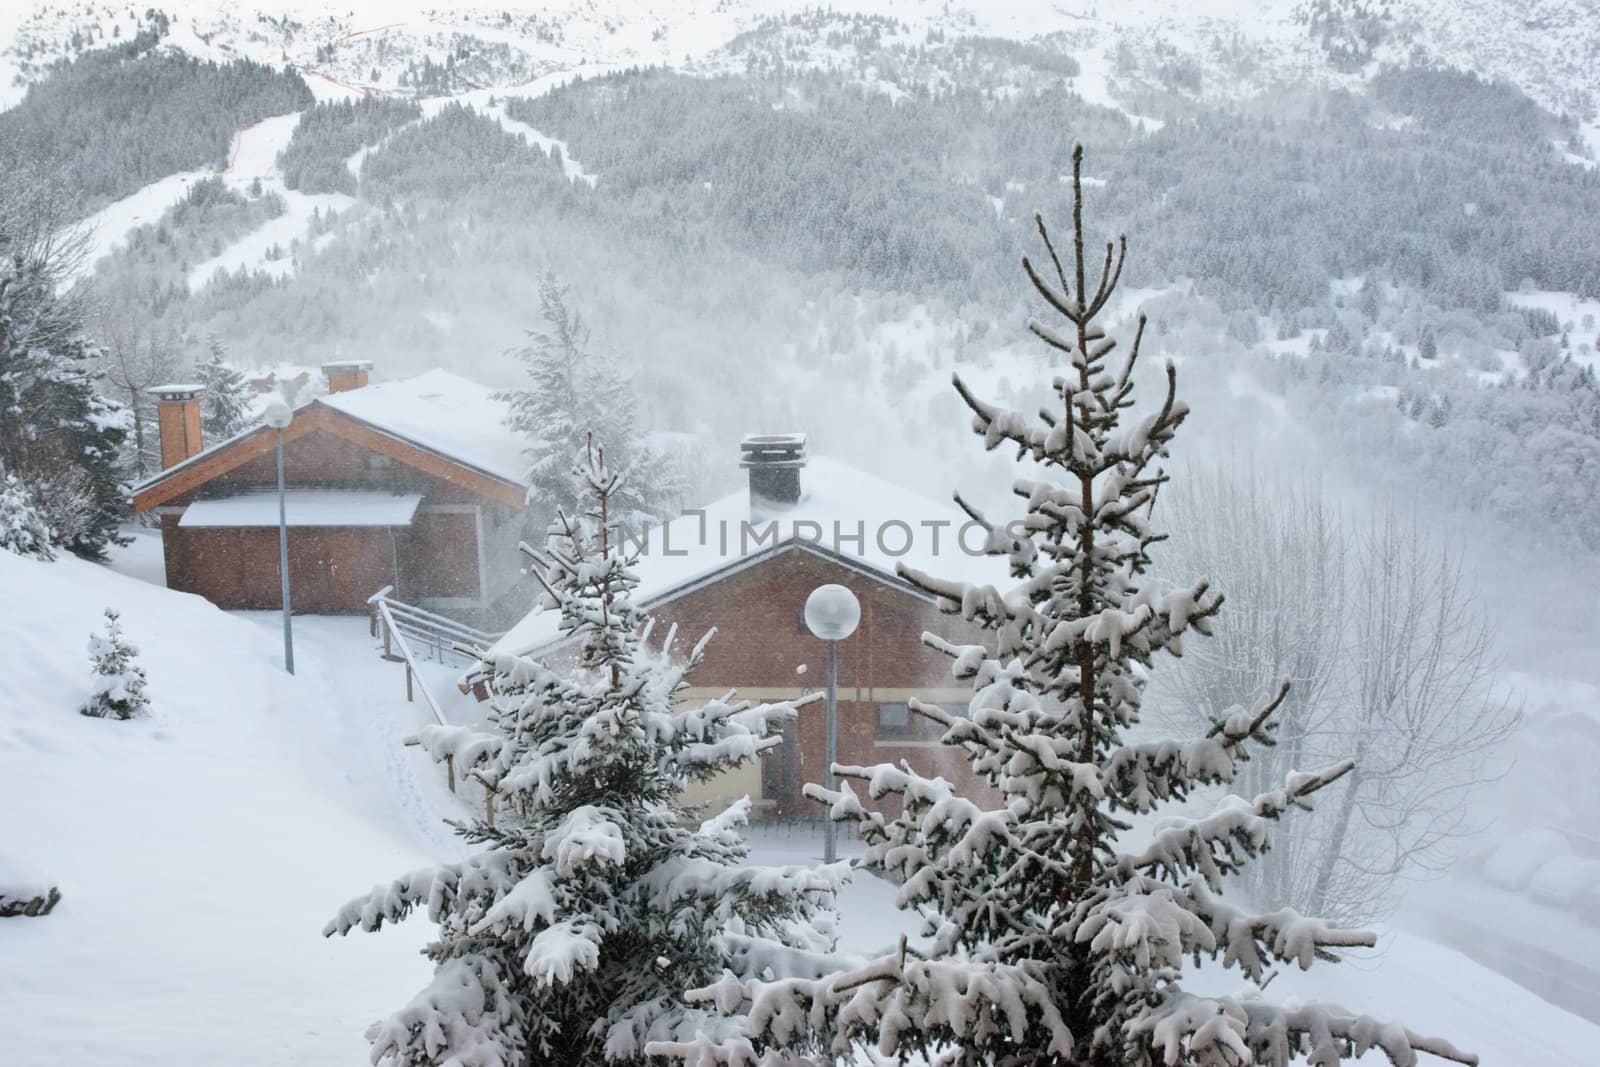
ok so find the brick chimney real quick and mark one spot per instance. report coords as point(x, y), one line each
point(178, 416)
point(346, 374)
point(774, 462)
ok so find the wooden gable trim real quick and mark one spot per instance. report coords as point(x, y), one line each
point(442, 467)
point(190, 476)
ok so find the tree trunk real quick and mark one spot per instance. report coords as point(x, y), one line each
point(1341, 829)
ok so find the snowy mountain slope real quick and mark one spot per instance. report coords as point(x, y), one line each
point(253, 165)
point(1245, 46)
point(109, 227)
point(198, 851)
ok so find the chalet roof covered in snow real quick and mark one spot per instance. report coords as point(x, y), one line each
point(305, 507)
point(436, 413)
point(444, 413)
point(859, 519)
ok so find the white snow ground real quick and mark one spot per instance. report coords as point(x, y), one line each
point(200, 851)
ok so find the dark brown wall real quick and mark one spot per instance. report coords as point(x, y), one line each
point(439, 557)
point(330, 570)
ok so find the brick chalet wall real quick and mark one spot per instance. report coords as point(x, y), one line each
point(335, 569)
point(762, 640)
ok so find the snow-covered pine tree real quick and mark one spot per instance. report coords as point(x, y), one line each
point(23, 528)
point(119, 682)
point(225, 406)
point(575, 393)
point(597, 899)
point(1054, 935)
point(57, 435)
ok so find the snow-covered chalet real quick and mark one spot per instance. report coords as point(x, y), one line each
point(414, 484)
point(745, 565)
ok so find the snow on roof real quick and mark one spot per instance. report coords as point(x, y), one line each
point(867, 521)
point(305, 507)
point(443, 413)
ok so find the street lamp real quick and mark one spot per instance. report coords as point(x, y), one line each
point(832, 613)
point(278, 416)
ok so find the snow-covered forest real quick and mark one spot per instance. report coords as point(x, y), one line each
point(1360, 236)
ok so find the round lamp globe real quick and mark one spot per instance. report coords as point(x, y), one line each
point(277, 415)
point(832, 612)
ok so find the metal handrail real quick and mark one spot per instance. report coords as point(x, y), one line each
point(424, 619)
point(411, 662)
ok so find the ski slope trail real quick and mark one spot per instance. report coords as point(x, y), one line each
point(253, 170)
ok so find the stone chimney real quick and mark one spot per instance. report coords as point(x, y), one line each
point(346, 374)
point(178, 416)
point(774, 462)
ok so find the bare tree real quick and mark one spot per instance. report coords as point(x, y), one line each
point(1280, 553)
point(138, 356)
point(1419, 712)
point(39, 211)
point(1390, 661)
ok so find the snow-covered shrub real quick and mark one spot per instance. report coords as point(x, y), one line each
point(1515, 860)
point(598, 897)
point(119, 682)
point(1562, 881)
point(23, 528)
point(24, 893)
point(1052, 937)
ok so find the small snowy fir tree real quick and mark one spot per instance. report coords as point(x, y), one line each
point(597, 899)
point(225, 406)
point(23, 528)
point(118, 681)
point(575, 393)
point(1053, 937)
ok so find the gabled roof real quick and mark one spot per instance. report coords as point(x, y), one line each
point(438, 422)
point(445, 413)
point(707, 545)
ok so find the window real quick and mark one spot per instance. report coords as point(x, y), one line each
point(894, 718)
point(378, 461)
point(898, 723)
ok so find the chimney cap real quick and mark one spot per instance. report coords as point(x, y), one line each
point(178, 391)
point(773, 450)
point(347, 364)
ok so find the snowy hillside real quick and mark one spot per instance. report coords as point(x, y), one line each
point(198, 851)
point(1546, 50)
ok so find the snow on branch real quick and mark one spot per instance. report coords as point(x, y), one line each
point(1229, 1031)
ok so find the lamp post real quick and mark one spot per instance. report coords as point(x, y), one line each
point(278, 416)
point(832, 613)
